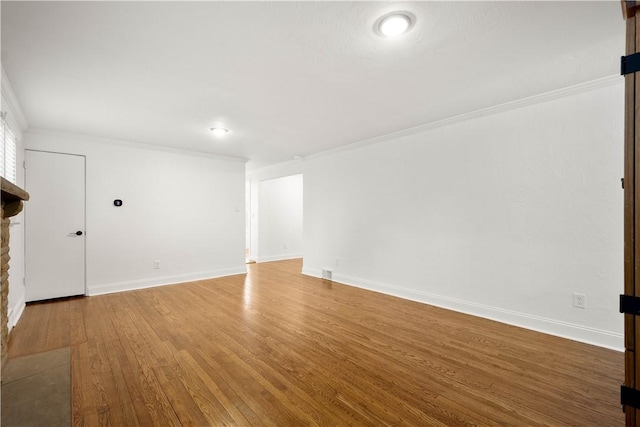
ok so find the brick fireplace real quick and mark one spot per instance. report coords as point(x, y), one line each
point(11, 201)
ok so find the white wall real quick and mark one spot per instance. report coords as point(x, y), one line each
point(503, 214)
point(280, 203)
point(183, 209)
point(255, 177)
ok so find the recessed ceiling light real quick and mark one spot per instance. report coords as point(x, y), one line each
point(395, 23)
point(219, 131)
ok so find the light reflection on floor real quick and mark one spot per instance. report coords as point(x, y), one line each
point(246, 293)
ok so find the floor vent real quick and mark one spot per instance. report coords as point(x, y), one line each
point(327, 274)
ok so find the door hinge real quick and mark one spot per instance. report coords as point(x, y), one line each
point(24, 164)
point(629, 396)
point(630, 304)
point(630, 63)
point(622, 182)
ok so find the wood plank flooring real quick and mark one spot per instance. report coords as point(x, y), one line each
point(276, 348)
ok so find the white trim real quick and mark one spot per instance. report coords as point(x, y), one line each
point(585, 334)
point(313, 272)
point(16, 312)
point(291, 167)
point(277, 257)
point(132, 144)
point(500, 108)
point(131, 285)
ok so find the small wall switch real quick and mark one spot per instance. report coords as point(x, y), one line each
point(156, 264)
point(580, 300)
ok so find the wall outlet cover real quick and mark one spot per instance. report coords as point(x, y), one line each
point(579, 300)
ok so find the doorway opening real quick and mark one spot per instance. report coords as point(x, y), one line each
point(274, 218)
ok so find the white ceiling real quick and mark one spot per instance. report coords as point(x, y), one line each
point(290, 78)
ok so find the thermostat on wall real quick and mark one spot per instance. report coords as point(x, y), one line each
point(117, 202)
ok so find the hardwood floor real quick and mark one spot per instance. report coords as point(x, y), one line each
point(276, 348)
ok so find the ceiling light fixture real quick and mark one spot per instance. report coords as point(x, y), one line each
point(219, 131)
point(395, 23)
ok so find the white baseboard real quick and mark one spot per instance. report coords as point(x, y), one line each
point(277, 257)
point(15, 312)
point(109, 288)
point(588, 335)
point(313, 272)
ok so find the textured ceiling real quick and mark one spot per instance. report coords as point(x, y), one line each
point(289, 78)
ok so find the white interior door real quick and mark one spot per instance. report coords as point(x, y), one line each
point(54, 225)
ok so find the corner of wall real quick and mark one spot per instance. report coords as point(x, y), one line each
point(16, 311)
point(311, 272)
point(15, 117)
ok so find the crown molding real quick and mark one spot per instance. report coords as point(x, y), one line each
point(131, 144)
point(277, 170)
point(500, 108)
point(15, 115)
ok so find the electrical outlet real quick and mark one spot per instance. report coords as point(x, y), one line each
point(156, 264)
point(580, 300)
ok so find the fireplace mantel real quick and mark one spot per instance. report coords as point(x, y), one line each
point(12, 198)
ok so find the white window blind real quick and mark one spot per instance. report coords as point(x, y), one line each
point(7, 152)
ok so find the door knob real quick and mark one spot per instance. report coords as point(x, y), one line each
point(78, 233)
